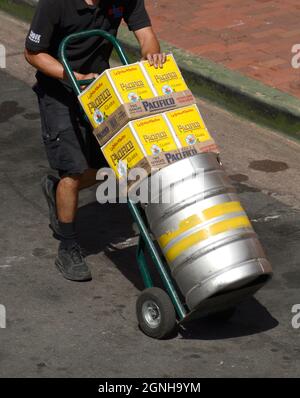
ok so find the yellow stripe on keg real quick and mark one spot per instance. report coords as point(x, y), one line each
point(209, 231)
point(196, 219)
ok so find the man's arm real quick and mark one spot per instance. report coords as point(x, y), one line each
point(45, 63)
point(150, 48)
point(138, 21)
point(50, 66)
point(38, 40)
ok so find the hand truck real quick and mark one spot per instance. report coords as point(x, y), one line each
point(158, 311)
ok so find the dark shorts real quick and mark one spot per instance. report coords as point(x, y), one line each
point(69, 142)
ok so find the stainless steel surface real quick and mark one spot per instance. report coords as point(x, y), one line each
point(151, 314)
point(203, 231)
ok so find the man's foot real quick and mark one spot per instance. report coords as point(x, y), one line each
point(49, 184)
point(72, 265)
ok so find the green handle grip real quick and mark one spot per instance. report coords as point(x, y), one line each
point(85, 82)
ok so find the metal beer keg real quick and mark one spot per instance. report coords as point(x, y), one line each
point(204, 232)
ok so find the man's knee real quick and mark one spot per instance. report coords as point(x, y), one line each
point(70, 182)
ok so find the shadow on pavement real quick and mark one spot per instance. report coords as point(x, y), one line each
point(108, 228)
point(102, 225)
point(250, 318)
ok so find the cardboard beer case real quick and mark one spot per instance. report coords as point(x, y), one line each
point(113, 88)
point(166, 80)
point(138, 140)
point(188, 125)
point(155, 142)
point(133, 91)
point(140, 109)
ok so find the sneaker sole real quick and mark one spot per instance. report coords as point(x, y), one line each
point(70, 277)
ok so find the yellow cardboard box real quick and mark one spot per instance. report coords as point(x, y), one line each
point(188, 125)
point(154, 134)
point(126, 112)
point(114, 87)
point(143, 138)
point(155, 142)
point(124, 153)
point(166, 80)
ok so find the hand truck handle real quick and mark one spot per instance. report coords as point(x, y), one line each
point(85, 35)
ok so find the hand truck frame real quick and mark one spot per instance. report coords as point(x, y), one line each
point(158, 310)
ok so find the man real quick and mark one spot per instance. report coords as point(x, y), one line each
point(70, 146)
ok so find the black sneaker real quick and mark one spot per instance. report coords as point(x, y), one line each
point(72, 265)
point(49, 184)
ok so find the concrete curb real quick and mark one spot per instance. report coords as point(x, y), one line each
point(245, 96)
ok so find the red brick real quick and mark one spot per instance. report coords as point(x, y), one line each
point(254, 37)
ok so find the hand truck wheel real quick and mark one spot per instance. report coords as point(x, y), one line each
point(155, 313)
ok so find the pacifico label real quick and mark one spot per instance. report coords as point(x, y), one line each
point(168, 79)
point(175, 157)
point(131, 83)
point(188, 125)
point(154, 134)
point(99, 100)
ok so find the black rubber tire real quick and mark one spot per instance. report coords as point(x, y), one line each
point(222, 316)
point(167, 313)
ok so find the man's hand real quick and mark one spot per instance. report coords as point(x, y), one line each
point(150, 47)
point(156, 60)
point(89, 76)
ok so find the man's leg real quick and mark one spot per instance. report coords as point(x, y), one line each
point(70, 261)
point(67, 198)
point(67, 194)
point(65, 140)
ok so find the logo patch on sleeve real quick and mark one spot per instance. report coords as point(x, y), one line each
point(34, 37)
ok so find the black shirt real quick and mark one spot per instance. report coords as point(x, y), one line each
point(56, 19)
